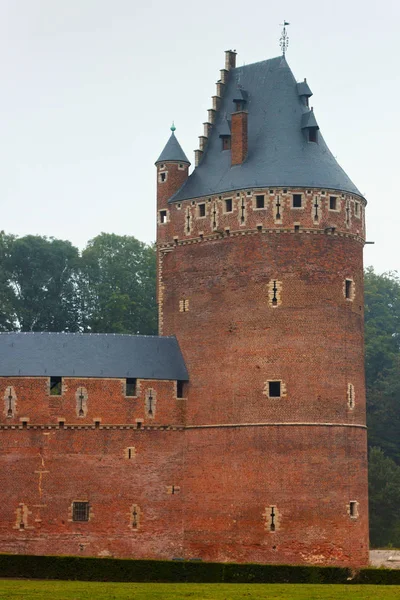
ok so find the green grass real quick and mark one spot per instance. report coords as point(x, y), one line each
point(77, 590)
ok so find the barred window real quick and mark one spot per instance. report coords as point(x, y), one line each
point(80, 511)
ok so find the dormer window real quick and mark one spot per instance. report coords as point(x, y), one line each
point(239, 106)
point(226, 142)
point(313, 135)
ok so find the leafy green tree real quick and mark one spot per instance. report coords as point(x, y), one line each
point(384, 499)
point(42, 274)
point(7, 296)
point(118, 282)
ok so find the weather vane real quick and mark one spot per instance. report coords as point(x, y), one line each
point(284, 40)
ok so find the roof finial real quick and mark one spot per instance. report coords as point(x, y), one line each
point(284, 39)
point(173, 128)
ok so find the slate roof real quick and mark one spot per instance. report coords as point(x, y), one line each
point(303, 89)
point(279, 154)
point(90, 355)
point(308, 120)
point(172, 151)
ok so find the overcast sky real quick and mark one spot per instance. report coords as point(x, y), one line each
point(90, 87)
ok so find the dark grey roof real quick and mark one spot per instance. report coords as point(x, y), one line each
point(308, 120)
point(90, 355)
point(303, 89)
point(172, 151)
point(279, 153)
point(225, 129)
point(240, 95)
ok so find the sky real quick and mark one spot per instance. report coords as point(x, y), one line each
point(90, 89)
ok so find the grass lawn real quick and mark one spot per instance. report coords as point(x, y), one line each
point(71, 590)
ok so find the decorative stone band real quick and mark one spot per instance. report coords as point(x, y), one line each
point(183, 427)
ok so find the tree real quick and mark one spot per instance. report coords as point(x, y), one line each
point(7, 296)
point(384, 499)
point(118, 275)
point(42, 274)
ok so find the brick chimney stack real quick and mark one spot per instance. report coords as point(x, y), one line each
point(230, 59)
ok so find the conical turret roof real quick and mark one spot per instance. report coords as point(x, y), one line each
point(280, 153)
point(173, 151)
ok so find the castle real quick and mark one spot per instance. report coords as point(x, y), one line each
point(238, 434)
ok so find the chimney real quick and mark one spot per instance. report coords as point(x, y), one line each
point(230, 59)
point(239, 137)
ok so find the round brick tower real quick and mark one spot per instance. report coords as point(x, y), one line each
point(260, 277)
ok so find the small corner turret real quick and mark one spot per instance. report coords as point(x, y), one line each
point(172, 171)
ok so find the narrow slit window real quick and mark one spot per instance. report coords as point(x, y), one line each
point(348, 289)
point(180, 388)
point(130, 386)
point(353, 511)
point(228, 205)
point(333, 203)
point(202, 210)
point(80, 511)
point(357, 209)
point(274, 390)
point(260, 201)
point(55, 386)
point(163, 216)
point(163, 177)
point(296, 201)
point(272, 524)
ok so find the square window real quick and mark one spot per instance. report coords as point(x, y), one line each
point(274, 389)
point(260, 201)
point(163, 216)
point(130, 387)
point(228, 205)
point(296, 201)
point(55, 386)
point(333, 203)
point(80, 511)
point(202, 210)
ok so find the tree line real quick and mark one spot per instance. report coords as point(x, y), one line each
point(46, 284)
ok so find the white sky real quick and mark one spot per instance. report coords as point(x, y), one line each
point(90, 87)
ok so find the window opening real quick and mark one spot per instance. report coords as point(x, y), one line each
point(242, 209)
point(274, 389)
point(131, 453)
point(163, 216)
point(130, 386)
point(135, 516)
point(296, 228)
point(316, 206)
point(347, 213)
point(278, 206)
point(55, 386)
point(179, 388)
point(313, 135)
point(214, 216)
point(357, 209)
point(81, 399)
point(274, 298)
point(260, 201)
point(272, 521)
point(202, 210)
point(163, 176)
point(138, 425)
point(150, 403)
point(188, 220)
point(10, 404)
point(333, 203)
point(97, 424)
point(353, 508)
point(80, 511)
point(226, 143)
point(61, 423)
point(228, 205)
point(296, 201)
point(351, 396)
point(348, 288)
point(24, 424)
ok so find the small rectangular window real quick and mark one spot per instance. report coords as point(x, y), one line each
point(80, 511)
point(274, 389)
point(55, 386)
point(130, 387)
point(202, 210)
point(226, 143)
point(163, 177)
point(163, 216)
point(333, 203)
point(357, 209)
point(228, 205)
point(260, 201)
point(296, 201)
point(348, 290)
point(353, 509)
point(179, 388)
point(313, 135)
